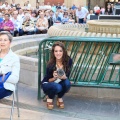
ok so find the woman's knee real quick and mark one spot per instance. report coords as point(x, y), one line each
point(55, 87)
point(67, 84)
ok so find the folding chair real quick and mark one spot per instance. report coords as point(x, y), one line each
point(14, 98)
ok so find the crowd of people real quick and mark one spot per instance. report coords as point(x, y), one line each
point(29, 20)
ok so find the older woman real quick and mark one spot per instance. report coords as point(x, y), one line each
point(28, 26)
point(9, 62)
point(42, 24)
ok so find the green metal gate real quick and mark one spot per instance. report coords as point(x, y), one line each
point(90, 61)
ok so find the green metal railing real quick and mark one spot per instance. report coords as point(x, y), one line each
point(90, 61)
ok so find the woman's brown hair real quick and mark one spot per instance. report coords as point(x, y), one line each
point(65, 58)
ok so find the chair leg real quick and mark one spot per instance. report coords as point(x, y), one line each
point(12, 108)
point(17, 103)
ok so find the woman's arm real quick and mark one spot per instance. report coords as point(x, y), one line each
point(14, 77)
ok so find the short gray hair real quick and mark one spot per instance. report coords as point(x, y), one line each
point(10, 37)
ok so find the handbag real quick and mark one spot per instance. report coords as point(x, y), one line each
point(3, 79)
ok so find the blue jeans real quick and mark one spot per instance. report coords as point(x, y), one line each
point(81, 21)
point(51, 88)
point(5, 93)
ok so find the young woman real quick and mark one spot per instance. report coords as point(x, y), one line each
point(50, 84)
point(9, 62)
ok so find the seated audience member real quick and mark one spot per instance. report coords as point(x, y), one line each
point(73, 7)
point(7, 24)
point(37, 5)
point(42, 24)
point(34, 17)
point(51, 19)
point(90, 13)
point(7, 6)
point(58, 6)
point(65, 18)
point(63, 7)
point(109, 10)
point(71, 20)
point(53, 8)
point(16, 23)
point(9, 63)
point(27, 26)
point(60, 13)
point(18, 7)
point(13, 4)
point(102, 10)
point(96, 9)
point(20, 18)
point(58, 19)
point(1, 17)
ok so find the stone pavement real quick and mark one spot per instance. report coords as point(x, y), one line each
point(76, 107)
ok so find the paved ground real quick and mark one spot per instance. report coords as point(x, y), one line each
point(76, 108)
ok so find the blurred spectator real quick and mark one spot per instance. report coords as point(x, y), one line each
point(37, 5)
point(7, 6)
point(81, 14)
point(42, 24)
point(13, 4)
point(63, 7)
point(109, 10)
point(102, 10)
point(51, 19)
point(57, 18)
point(28, 4)
point(42, 6)
point(96, 9)
point(58, 6)
point(113, 9)
point(7, 24)
point(73, 7)
point(27, 26)
point(1, 17)
point(48, 6)
point(18, 7)
point(71, 20)
point(53, 8)
point(16, 23)
point(65, 18)
point(20, 18)
point(90, 13)
point(34, 17)
point(60, 13)
point(1, 5)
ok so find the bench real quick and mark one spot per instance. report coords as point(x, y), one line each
point(90, 55)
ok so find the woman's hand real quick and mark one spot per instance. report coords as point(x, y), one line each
point(63, 77)
point(55, 75)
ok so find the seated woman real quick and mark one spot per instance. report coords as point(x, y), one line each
point(27, 26)
point(54, 84)
point(42, 24)
point(9, 62)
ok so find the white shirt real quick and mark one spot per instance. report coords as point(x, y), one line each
point(64, 8)
point(17, 24)
point(82, 13)
point(10, 63)
point(21, 18)
point(96, 8)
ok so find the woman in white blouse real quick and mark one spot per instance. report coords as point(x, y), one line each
point(9, 62)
